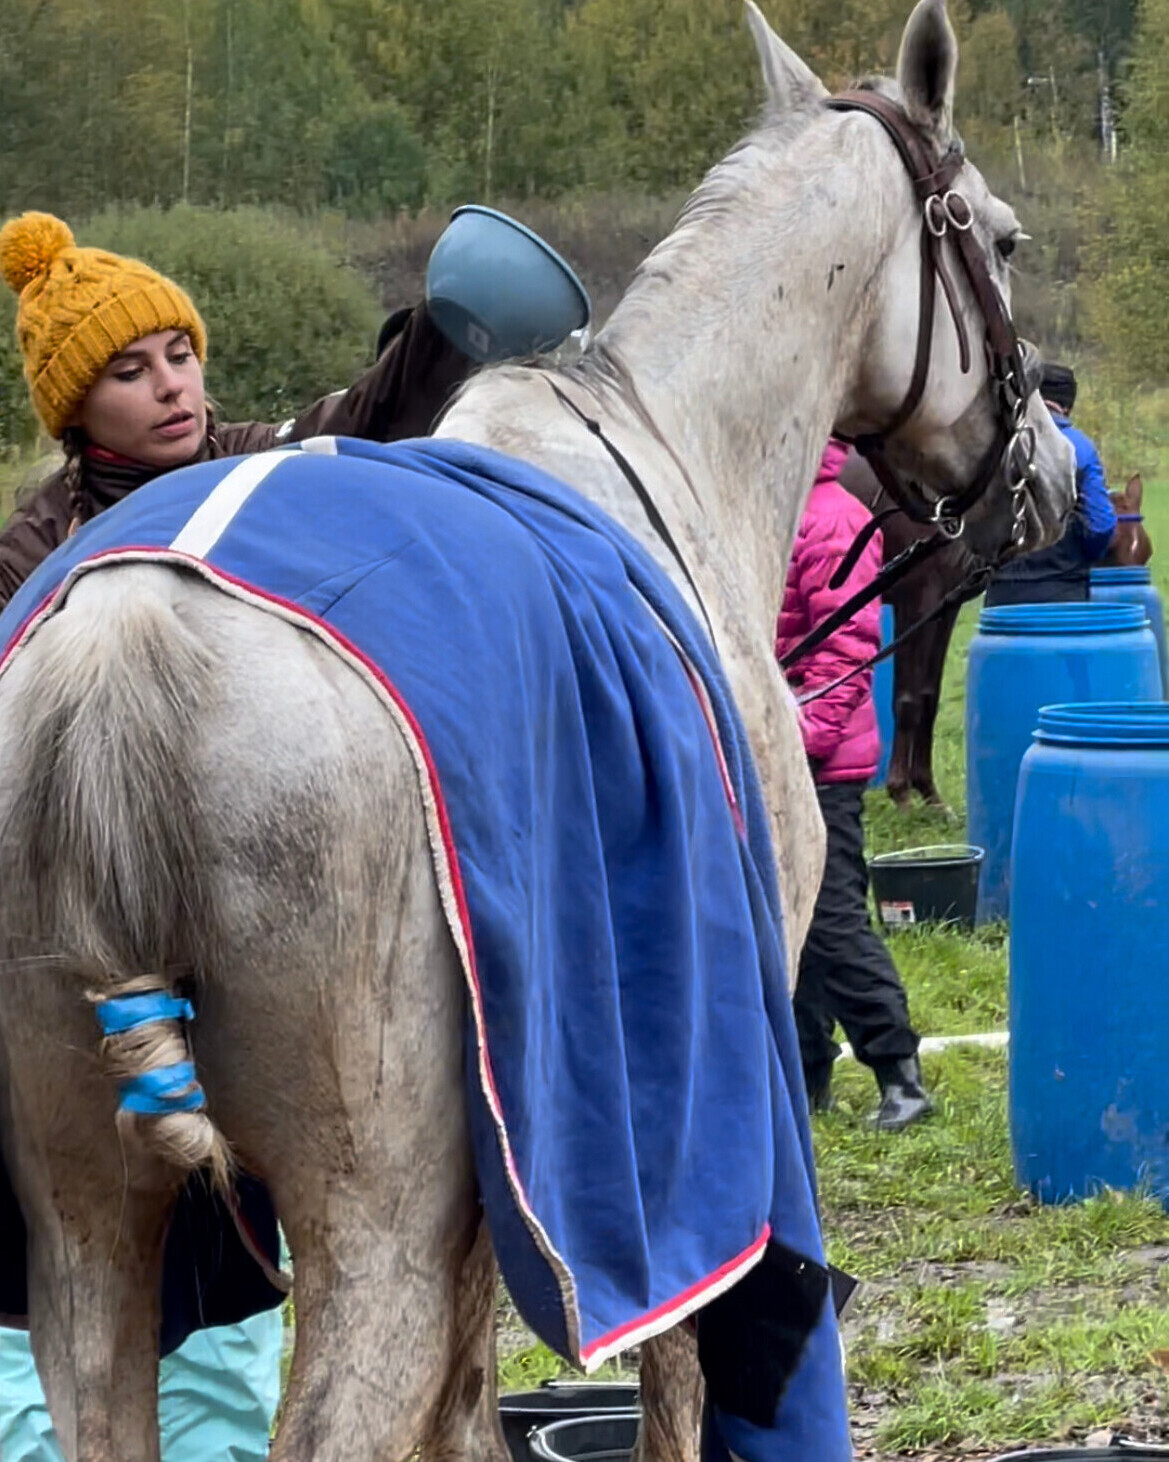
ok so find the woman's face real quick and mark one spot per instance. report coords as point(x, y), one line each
point(148, 403)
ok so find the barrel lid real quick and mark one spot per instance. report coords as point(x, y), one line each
point(1121, 574)
point(1081, 618)
point(1105, 723)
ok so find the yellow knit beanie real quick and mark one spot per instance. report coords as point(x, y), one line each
point(79, 308)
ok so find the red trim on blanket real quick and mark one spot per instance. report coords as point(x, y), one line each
point(673, 1310)
point(45, 604)
point(653, 1322)
point(702, 696)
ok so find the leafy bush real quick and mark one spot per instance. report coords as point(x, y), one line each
point(17, 422)
point(286, 320)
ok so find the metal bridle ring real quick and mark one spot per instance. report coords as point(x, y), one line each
point(952, 528)
point(963, 225)
point(934, 205)
point(942, 513)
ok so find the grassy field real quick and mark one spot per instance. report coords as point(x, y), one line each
point(984, 1320)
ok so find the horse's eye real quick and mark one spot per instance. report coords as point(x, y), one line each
point(1006, 247)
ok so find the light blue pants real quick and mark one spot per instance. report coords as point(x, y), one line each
point(217, 1395)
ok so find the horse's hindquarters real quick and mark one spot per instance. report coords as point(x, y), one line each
point(329, 1034)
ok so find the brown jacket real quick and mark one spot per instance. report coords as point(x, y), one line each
point(400, 396)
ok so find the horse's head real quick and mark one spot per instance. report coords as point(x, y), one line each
point(1132, 545)
point(943, 393)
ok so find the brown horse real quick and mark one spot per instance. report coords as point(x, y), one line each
point(918, 665)
point(1132, 545)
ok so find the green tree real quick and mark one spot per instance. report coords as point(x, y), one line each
point(671, 83)
point(1129, 258)
point(990, 79)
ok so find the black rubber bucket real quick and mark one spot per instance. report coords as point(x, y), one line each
point(1126, 1452)
point(927, 885)
point(524, 1412)
point(588, 1439)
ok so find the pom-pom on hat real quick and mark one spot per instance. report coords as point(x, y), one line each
point(79, 308)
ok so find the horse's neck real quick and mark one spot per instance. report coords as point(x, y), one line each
point(742, 337)
point(739, 339)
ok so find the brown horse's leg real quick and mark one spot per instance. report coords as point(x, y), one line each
point(934, 651)
point(96, 1229)
point(906, 709)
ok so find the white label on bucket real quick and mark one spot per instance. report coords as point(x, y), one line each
point(478, 338)
point(897, 913)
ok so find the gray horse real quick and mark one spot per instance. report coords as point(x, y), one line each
point(188, 782)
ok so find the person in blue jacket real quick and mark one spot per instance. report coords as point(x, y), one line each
point(1059, 574)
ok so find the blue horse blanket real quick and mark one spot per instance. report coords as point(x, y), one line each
point(602, 853)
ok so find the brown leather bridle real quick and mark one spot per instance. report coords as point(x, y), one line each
point(1013, 370)
point(947, 215)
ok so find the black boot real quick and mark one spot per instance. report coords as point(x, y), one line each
point(904, 1099)
point(819, 1085)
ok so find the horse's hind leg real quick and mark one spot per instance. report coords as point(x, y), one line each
point(906, 712)
point(95, 1230)
point(330, 1040)
point(365, 1149)
point(466, 1425)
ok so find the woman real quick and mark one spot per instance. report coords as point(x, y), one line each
point(114, 358)
point(114, 355)
point(846, 973)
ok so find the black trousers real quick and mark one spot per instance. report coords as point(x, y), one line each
point(846, 973)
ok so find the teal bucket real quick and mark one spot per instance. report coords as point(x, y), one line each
point(498, 291)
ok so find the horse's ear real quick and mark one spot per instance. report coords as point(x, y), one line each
point(926, 68)
point(1134, 491)
point(790, 84)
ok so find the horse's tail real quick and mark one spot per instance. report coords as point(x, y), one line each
point(101, 852)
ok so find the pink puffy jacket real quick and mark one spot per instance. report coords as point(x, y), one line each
point(840, 729)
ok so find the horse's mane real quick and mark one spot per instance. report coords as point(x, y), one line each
point(600, 368)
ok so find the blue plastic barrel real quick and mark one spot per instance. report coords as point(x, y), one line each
point(1025, 656)
point(1134, 585)
point(1089, 1062)
point(883, 699)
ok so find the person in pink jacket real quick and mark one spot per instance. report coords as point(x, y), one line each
point(846, 972)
